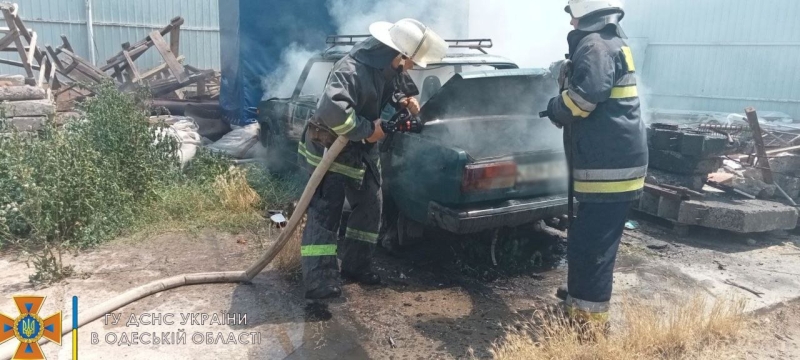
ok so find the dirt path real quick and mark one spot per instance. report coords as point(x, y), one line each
point(429, 307)
point(774, 334)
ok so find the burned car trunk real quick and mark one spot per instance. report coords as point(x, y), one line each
point(484, 159)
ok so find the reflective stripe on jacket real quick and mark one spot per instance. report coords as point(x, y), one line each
point(609, 140)
point(355, 94)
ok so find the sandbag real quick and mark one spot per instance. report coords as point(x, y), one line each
point(185, 131)
point(241, 143)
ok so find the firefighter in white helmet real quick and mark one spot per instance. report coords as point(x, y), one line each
point(606, 139)
point(360, 85)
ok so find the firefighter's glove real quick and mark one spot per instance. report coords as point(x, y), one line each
point(551, 106)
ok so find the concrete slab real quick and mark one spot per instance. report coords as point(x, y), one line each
point(16, 93)
point(668, 208)
point(28, 123)
point(12, 80)
point(785, 163)
point(742, 216)
point(665, 140)
point(28, 108)
point(675, 162)
point(700, 145)
point(649, 203)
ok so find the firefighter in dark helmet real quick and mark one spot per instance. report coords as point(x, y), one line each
point(360, 85)
point(599, 109)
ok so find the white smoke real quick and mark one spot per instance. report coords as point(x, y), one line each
point(281, 82)
point(353, 17)
point(530, 33)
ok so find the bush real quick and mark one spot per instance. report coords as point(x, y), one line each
point(112, 171)
point(80, 185)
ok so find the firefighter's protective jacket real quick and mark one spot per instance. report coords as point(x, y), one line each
point(601, 104)
point(360, 85)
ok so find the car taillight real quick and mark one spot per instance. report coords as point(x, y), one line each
point(489, 176)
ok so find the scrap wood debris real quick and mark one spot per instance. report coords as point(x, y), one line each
point(57, 77)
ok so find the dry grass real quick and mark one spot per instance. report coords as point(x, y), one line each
point(228, 204)
point(288, 260)
point(690, 330)
point(234, 191)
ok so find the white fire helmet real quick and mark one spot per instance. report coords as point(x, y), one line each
point(412, 39)
point(580, 8)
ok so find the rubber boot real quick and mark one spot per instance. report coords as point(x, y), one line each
point(324, 292)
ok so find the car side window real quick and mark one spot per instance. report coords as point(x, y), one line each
point(316, 80)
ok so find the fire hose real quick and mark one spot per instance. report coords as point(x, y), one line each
point(7, 351)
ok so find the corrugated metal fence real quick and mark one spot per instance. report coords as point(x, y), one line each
point(718, 55)
point(117, 21)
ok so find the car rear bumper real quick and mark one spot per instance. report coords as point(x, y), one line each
point(507, 214)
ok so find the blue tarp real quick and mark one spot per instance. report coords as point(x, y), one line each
point(253, 33)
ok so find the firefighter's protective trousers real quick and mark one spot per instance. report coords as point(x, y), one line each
point(593, 240)
point(319, 246)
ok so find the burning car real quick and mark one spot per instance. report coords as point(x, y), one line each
point(483, 161)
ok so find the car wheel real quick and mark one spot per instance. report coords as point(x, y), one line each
point(409, 232)
point(398, 235)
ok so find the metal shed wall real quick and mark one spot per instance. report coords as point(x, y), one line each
point(717, 55)
point(119, 21)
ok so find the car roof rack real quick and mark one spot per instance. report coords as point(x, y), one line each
point(474, 44)
point(350, 40)
point(344, 40)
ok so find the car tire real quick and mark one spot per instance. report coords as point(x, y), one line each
point(397, 231)
point(400, 234)
point(409, 232)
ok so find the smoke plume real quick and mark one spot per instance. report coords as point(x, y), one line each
point(530, 33)
point(282, 81)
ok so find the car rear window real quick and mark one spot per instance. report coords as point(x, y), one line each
point(431, 79)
